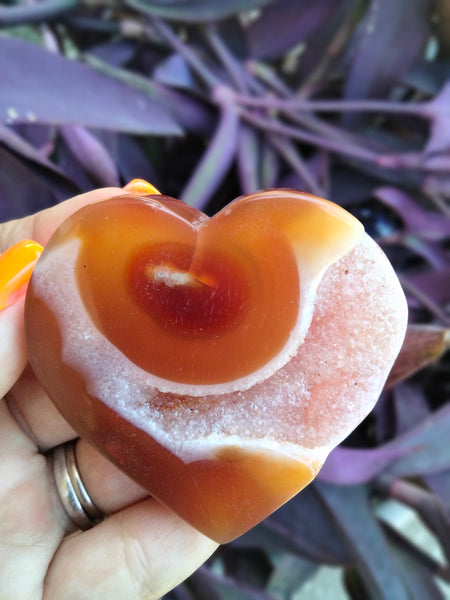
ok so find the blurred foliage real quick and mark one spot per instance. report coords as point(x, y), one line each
point(212, 99)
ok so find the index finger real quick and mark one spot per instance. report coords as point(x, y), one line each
point(38, 227)
point(41, 226)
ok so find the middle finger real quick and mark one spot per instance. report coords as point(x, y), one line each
point(109, 488)
point(36, 413)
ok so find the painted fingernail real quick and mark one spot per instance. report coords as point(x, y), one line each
point(16, 266)
point(141, 187)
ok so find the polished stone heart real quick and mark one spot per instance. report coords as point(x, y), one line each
point(216, 360)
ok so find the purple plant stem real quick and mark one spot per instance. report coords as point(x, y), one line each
point(230, 63)
point(288, 104)
point(439, 203)
point(266, 74)
point(247, 148)
point(282, 145)
point(305, 118)
point(91, 154)
point(290, 154)
point(338, 146)
point(232, 67)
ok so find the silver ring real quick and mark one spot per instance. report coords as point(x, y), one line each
point(74, 497)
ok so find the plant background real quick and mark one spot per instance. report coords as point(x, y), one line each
point(209, 99)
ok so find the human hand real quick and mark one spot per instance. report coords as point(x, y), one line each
point(142, 550)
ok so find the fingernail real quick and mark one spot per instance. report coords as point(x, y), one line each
point(141, 187)
point(16, 266)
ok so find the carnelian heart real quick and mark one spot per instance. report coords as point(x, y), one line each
point(216, 361)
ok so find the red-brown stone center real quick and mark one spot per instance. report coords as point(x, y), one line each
point(203, 300)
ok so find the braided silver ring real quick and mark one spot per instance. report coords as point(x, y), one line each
point(74, 497)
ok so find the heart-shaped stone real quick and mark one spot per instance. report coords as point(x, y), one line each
point(216, 361)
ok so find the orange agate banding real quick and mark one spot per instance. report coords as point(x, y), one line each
point(203, 291)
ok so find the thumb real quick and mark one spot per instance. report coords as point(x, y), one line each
point(17, 259)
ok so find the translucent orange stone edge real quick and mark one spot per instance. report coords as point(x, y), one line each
point(141, 187)
point(16, 266)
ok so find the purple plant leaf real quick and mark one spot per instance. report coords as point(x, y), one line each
point(285, 24)
point(195, 11)
point(193, 115)
point(323, 51)
point(422, 346)
point(289, 575)
point(352, 466)
point(50, 176)
point(179, 593)
point(39, 86)
point(439, 106)
point(349, 507)
point(72, 168)
point(427, 77)
point(210, 586)
point(91, 154)
point(23, 148)
point(434, 514)
point(133, 162)
point(117, 52)
point(291, 155)
point(392, 35)
point(22, 191)
point(428, 225)
point(175, 72)
point(303, 527)
point(436, 185)
point(422, 450)
point(433, 253)
point(414, 568)
point(435, 283)
point(248, 159)
point(419, 299)
point(410, 407)
point(437, 151)
point(217, 159)
point(270, 166)
point(439, 484)
point(429, 451)
point(40, 137)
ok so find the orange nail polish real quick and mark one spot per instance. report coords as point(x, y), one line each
point(141, 187)
point(16, 266)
